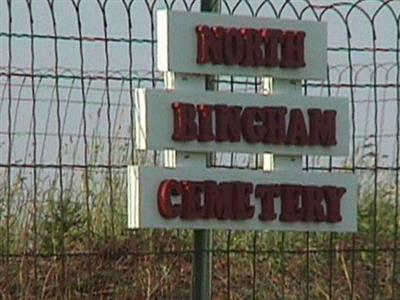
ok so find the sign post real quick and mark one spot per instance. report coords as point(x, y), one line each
point(202, 239)
point(189, 122)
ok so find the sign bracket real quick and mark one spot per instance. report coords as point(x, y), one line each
point(291, 163)
point(202, 239)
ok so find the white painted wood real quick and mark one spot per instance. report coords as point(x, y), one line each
point(177, 44)
point(133, 197)
point(155, 117)
point(293, 88)
point(187, 161)
point(178, 81)
point(188, 82)
point(266, 160)
point(144, 182)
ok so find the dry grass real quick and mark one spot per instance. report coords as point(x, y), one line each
point(81, 249)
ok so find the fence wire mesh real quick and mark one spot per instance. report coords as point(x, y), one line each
point(67, 74)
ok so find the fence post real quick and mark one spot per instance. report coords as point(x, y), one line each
point(202, 239)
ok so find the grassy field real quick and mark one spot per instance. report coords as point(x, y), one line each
point(80, 248)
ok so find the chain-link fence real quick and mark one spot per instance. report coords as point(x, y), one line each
point(67, 73)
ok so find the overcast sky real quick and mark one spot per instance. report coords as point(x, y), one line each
point(117, 20)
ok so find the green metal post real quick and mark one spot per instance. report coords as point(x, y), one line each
point(202, 264)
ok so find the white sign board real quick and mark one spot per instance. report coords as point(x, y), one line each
point(155, 118)
point(192, 120)
point(299, 201)
point(238, 45)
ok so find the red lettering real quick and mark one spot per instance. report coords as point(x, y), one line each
point(267, 193)
point(167, 189)
point(292, 50)
point(253, 53)
point(250, 47)
point(185, 127)
point(223, 123)
point(272, 38)
point(227, 123)
point(205, 123)
point(233, 47)
point(191, 200)
point(322, 127)
point(210, 199)
point(253, 133)
point(275, 124)
point(291, 211)
point(218, 199)
point(312, 203)
point(232, 201)
point(297, 131)
point(209, 44)
point(242, 209)
point(333, 196)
